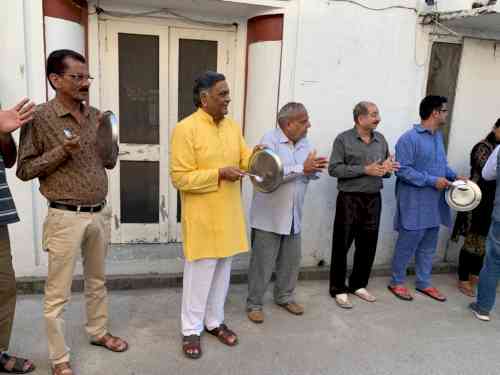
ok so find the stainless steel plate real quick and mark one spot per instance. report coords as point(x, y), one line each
point(107, 134)
point(266, 164)
point(463, 196)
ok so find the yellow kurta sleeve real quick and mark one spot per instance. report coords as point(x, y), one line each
point(245, 153)
point(184, 171)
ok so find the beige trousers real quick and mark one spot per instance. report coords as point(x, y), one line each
point(66, 234)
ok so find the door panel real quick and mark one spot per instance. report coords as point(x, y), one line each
point(138, 58)
point(443, 76)
point(193, 52)
point(148, 72)
point(136, 89)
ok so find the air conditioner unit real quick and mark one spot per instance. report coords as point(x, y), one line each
point(450, 5)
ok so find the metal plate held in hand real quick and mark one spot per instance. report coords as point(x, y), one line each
point(107, 134)
point(266, 164)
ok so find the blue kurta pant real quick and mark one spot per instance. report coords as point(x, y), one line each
point(421, 244)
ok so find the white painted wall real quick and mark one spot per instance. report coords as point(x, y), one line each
point(264, 60)
point(63, 34)
point(333, 55)
point(346, 54)
point(477, 105)
point(22, 74)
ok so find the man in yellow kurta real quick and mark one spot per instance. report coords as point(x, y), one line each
point(208, 158)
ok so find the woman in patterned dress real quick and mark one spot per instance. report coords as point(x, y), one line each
point(474, 225)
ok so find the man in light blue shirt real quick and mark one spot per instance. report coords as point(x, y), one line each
point(276, 217)
point(490, 273)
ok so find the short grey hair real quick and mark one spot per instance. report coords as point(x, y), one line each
point(361, 109)
point(289, 110)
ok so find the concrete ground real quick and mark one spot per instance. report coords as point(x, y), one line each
point(390, 336)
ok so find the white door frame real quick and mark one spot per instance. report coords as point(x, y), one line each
point(170, 34)
point(124, 232)
point(225, 65)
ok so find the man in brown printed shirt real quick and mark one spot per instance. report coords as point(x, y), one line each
point(73, 178)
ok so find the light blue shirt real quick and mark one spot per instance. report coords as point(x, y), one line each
point(489, 171)
point(277, 211)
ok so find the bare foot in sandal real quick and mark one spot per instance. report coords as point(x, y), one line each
point(63, 368)
point(110, 342)
point(191, 346)
point(466, 288)
point(15, 365)
point(224, 334)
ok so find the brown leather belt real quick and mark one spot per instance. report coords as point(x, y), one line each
point(70, 207)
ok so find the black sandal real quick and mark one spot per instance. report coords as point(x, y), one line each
point(18, 367)
point(191, 346)
point(223, 333)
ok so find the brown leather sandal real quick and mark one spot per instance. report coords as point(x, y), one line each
point(224, 334)
point(191, 346)
point(466, 288)
point(113, 343)
point(63, 368)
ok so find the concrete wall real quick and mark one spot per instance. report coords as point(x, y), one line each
point(477, 105)
point(346, 54)
point(22, 74)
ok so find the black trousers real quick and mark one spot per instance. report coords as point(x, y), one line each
point(357, 220)
point(469, 264)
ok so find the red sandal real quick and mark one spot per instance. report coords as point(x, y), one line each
point(433, 293)
point(401, 292)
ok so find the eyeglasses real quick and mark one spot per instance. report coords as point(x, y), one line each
point(79, 78)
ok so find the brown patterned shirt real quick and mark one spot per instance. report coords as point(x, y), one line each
point(78, 179)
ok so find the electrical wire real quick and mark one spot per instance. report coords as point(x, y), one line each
point(374, 9)
point(151, 13)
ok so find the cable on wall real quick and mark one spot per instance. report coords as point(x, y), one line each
point(160, 11)
point(372, 8)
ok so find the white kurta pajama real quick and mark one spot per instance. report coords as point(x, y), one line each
point(213, 224)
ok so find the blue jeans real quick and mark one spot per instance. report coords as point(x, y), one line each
point(421, 244)
point(488, 278)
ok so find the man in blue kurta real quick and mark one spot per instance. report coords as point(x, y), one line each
point(421, 206)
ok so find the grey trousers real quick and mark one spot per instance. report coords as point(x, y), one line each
point(270, 250)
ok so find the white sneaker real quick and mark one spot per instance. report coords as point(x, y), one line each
point(365, 295)
point(343, 301)
point(481, 315)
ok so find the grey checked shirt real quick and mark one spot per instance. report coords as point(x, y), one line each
point(349, 157)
